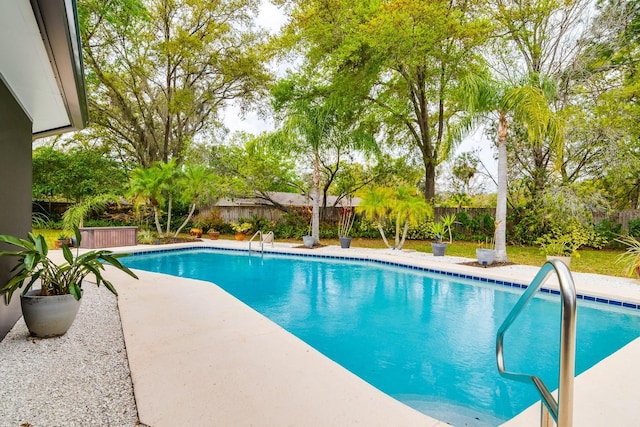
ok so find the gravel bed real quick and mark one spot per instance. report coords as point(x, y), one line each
point(79, 379)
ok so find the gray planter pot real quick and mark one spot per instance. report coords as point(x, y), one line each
point(438, 249)
point(485, 256)
point(48, 316)
point(345, 242)
point(308, 241)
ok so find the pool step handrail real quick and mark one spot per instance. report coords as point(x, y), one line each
point(561, 410)
point(264, 238)
point(259, 235)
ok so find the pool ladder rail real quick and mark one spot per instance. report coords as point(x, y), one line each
point(561, 410)
point(264, 238)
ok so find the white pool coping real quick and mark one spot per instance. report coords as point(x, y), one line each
point(198, 356)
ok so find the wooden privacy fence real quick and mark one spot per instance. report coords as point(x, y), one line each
point(618, 217)
point(331, 214)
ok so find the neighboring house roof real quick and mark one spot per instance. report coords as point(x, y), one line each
point(42, 63)
point(284, 199)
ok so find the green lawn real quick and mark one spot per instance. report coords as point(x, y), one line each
point(589, 261)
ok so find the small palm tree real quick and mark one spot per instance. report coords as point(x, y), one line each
point(151, 185)
point(197, 183)
point(405, 207)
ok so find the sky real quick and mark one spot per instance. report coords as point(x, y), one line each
point(271, 18)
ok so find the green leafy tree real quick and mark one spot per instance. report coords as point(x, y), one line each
point(74, 175)
point(159, 72)
point(400, 59)
point(314, 121)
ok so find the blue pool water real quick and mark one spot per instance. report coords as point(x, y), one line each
point(426, 339)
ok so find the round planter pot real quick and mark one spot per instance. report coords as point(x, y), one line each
point(565, 259)
point(48, 316)
point(345, 242)
point(438, 249)
point(214, 235)
point(308, 241)
point(240, 236)
point(485, 256)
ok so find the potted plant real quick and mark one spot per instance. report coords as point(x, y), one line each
point(631, 257)
point(438, 247)
point(63, 239)
point(440, 229)
point(50, 310)
point(345, 224)
point(485, 253)
point(560, 248)
point(241, 229)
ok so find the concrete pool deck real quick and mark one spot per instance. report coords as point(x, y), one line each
point(200, 357)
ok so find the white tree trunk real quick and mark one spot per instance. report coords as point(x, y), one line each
point(315, 215)
point(501, 206)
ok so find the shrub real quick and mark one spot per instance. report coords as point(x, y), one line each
point(634, 227)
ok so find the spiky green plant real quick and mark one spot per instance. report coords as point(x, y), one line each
point(57, 279)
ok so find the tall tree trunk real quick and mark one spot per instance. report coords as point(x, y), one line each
point(384, 238)
point(429, 179)
point(169, 215)
point(191, 211)
point(156, 217)
point(315, 215)
point(501, 205)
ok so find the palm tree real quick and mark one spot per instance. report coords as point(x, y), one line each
point(403, 205)
point(485, 98)
point(148, 185)
point(74, 216)
point(197, 183)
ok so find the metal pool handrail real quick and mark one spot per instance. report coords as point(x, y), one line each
point(257, 234)
point(561, 410)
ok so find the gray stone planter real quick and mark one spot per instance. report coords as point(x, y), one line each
point(438, 249)
point(345, 242)
point(485, 256)
point(308, 241)
point(48, 316)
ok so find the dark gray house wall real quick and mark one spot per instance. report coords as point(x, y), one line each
point(15, 188)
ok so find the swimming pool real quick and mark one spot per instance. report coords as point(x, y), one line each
point(427, 340)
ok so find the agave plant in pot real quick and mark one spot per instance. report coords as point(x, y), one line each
point(50, 310)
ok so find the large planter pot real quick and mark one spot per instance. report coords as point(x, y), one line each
point(48, 316)
point(308, 241)
point(485, 256)
point(240, 236)
point(565, 259)
point(214, 235)
point(438, 249)
point(345, 242)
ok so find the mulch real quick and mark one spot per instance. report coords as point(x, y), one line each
point(477, 264)
point(316, 246)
